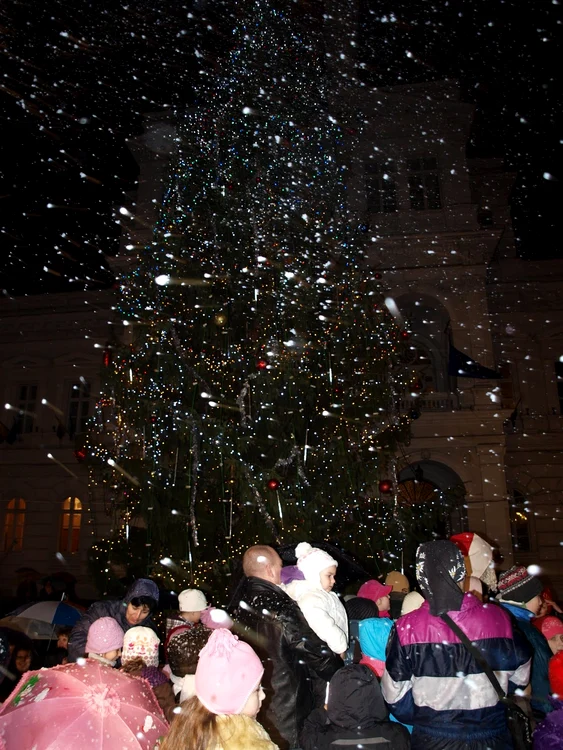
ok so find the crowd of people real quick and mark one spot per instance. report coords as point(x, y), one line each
point(468, 661)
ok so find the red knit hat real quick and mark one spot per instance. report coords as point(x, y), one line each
point(551, 626)
point(556, 674)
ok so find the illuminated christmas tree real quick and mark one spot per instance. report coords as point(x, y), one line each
point(257, 397)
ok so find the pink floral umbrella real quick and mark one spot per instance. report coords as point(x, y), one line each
point(85, 706)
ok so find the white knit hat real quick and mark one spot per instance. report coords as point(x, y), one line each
point(141, 643)
point(192, 600)
point(311, 561)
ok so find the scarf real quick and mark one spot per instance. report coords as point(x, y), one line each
point(183, 686)
point(439, 569)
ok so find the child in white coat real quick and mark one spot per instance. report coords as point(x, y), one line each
point(321, 607)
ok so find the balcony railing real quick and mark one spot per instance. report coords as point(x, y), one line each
point(431, 402)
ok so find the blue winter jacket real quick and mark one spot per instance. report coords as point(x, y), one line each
point(541, 654)
point(432, 681)
point(115, 609)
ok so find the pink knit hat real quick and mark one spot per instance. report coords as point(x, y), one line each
point(214, 618)
point(141, 643)
point(228, 671)
point(104, 635)
point(374, 590)
point(551, 626)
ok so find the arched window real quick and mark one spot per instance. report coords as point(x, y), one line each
point(519, 522)
point(440, 511)
point(14, 521)
point(71, 519)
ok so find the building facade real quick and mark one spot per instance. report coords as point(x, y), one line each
point(440, 233)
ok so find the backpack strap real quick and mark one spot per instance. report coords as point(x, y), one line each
point(478, 656)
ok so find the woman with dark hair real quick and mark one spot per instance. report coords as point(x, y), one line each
point(134, 609)
point(20, 663)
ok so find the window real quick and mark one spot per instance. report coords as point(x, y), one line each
point(559, 377)
point(71, 519)
point(420, 361)
point(14, 520)
point(416, 492)
point(27, 402)
point(78, 407)
point(380, 187)
point(519, 523)
point(424, 185)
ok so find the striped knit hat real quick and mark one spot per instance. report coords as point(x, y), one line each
point(517, 585)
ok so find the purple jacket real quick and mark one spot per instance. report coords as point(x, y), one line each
point(549, 734)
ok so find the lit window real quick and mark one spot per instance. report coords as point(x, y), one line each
point(381, 189)
point(27, 404)
point(78, 408)
point(424, 184)
point(519, 523)
point(71, 519)
point(14, 521)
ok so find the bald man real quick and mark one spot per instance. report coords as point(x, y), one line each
point(294, 657)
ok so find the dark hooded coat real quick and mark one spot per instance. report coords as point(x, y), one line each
point(355, 711)
point(294, 657)
point(432, 681)
point(115, 609)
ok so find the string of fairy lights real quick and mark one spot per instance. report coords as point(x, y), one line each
point(256, 398)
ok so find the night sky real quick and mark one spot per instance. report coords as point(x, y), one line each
point(78, 76)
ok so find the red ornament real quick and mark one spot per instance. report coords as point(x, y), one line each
point(385, 486)
point(273, 484)
point(377, 276)
point(405, 335)
point(261, 364)
point(80, 454)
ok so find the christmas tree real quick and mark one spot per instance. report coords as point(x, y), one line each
point(256, 398)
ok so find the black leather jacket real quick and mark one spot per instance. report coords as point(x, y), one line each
point(293, 657)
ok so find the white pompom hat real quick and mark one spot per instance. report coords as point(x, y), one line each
point(311, 561)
